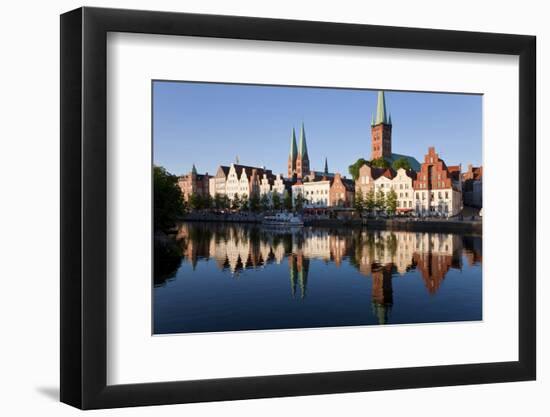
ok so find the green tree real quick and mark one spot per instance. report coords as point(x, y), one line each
point(218, 201)
point(244, 202)
point(401, 163)
point(299, 202)
point(276, 201)
point(370, 201)
point(391, 202)
point(379, 163)
point(264, 202)
point(207, 201)
point(195, 201)
point(380, 200)
point(225, 202)
point(287, 201)
point(354, 168)
point(168, 199)
point(359, 202)
point(236, 203)
point(255, 203)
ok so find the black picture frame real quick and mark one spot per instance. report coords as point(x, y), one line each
point(84, 207)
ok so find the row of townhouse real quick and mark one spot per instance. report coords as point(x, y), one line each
point(435, 189)
point(245, 180)
point(332, 190)
point(385, 180)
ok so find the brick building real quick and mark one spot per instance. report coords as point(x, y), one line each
point(342, 192)
point(194, 183)
point(298, 158)
point(472, 186)
point(438, 187)
point(381, 136)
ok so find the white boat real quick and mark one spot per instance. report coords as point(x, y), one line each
point(283, 219)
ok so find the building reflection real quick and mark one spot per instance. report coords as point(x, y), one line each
point(380, 256)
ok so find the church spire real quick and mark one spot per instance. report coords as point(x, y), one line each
point(381, 116)
point(194, 170)
point(326, 166)
point(293, 152)
point(302, 159)
point(302, 147)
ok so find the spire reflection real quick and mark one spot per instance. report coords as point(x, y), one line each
point(380, 256)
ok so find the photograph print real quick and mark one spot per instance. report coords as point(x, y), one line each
point(289, 207)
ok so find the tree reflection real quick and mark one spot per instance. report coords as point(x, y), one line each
point(379, 255)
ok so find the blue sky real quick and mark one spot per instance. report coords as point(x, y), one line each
point(211, 124)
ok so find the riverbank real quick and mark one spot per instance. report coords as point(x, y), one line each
point(409, 224)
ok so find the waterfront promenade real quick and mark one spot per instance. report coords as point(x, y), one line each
point(405, 224)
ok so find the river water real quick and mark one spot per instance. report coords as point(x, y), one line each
point(227, 277)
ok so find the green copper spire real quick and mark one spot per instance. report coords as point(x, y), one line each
point(372, 120)
point(326, 165)
point(381, 109)
point(194, 170)
point(302, 147)
point(293, 151)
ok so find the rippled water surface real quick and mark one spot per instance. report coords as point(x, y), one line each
point(226, 277)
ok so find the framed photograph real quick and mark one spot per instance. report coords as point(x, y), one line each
point(257, 208)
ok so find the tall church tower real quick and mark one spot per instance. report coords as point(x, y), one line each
point(302, 160)
point(292, 155)
point(381, 130)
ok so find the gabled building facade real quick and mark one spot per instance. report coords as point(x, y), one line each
point(219, 181)
point(342, 192)
point(365, 182)
point(245, 181)
point(437, 188)
point(194, 183)
point(403, 182)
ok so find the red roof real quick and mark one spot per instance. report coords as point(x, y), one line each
point(454, 172)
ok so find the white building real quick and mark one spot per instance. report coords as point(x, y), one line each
point(265, 185)
point(278, 185)
point(403, 187)
point(314, 193)
point(245, 180)
point(217, 184)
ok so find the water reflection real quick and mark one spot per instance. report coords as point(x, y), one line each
point(380, 256)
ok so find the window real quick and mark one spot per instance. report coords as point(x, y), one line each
point(439, 194)
point(446, 194)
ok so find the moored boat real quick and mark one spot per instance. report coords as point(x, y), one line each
point(283, 219)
